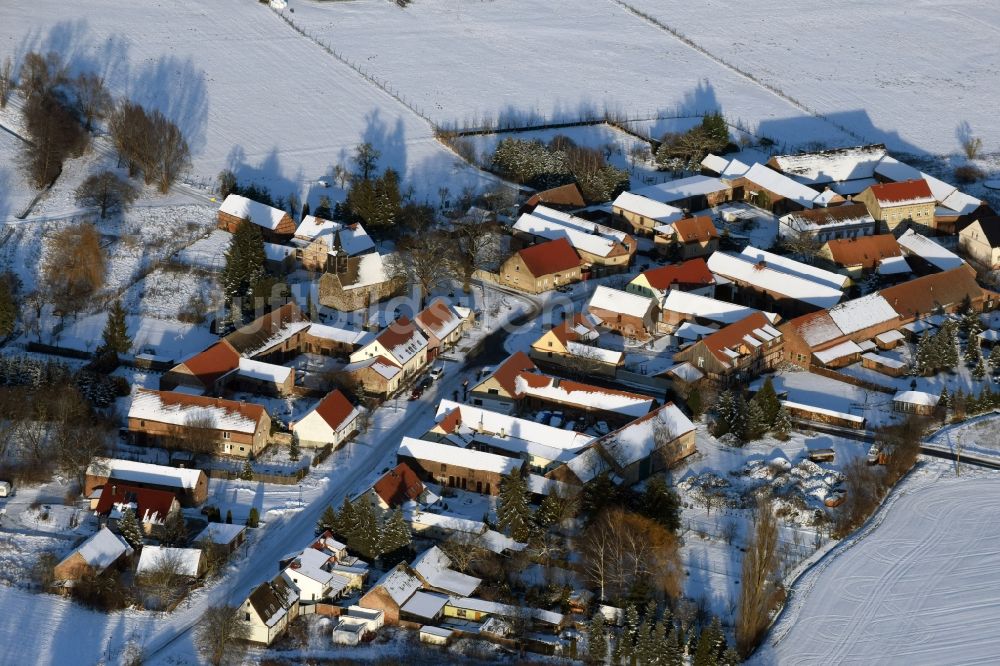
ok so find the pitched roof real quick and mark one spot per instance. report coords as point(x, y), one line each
point(399, 583)
point(336, 410)
point(502, 429)
point(554, 256)
point(140, 472)
point(187, 560)
point(827, 166)
point(695, 229)
point(925, 294)
point(209, 365)
point(247, 209)
point(682, 188)
point(800, 269)
point(272, 599)
point(693, 272)
point(148, 504)
point(565, 195)
point(990, 226)
point(578, 327)
point(434, 566)
point(703, 307)
point(903, 193)
point(741, 268)
point(750, 332)
point(929, 250)
point(436, 452)
point(439, 319)
point(385, 367)
point(782, 185)
point(621, 302)
point(568, 392)
point(636, 440)
point(547, 225)
point(646, 207)
point(402, 340)
point(102, 550)
point(866, 251)
point(268, 330)
point(182, 409)
point(507, 372)
point(400, 484)
point(818, 218)
point(819, 328)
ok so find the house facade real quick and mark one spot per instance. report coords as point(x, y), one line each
point(542, 267)
point(455, 467)
point(850, 220)
point(269, 610)
point(902, 204)
point(737, 353)
point(276, 225)
point(332, 421)
point(402, 343)
point(980, 242)
point(628, 314)
point(688, 238)
point(189, 485)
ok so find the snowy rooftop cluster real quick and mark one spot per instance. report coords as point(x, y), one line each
point(622, 302)
point(742, 269)
point(550, 229)
point(638, 439)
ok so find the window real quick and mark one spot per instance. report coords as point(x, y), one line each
point(461, 612)
point(142, 424)
point(247, 617)
point(701, 361)
point(443, 467)
point(242, 449)
point(225, 434)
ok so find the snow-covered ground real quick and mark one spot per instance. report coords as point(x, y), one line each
point(919, 589)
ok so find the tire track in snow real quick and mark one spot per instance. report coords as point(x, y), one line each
point(774, 90)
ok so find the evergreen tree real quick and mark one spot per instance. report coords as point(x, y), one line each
point(944, 400)
point(661, 503)
point(597, 640)
point(923, 359)
point(293, 447)
point(730, 657)
point(129, 528)
point(247, 472)
point(365, 534)
point(979, 369)
point(995, 358)
point(175, 530)
point(673, 654)
point(229, 517)
point(782, 424)
point(115, 338)
point(327, 520)
point(645, 649)
point(342, 523)
point(253, 520)
point(755, 422)
point(726, 410)
point(244, 269)
point(513, 509)
point(549, 511)
point(599, 494)
point(694, 403)
point(394, 533)
point(768, 402)
point(711, 644)
point(658, 637)
point(8, 305)
point(973, 352)
point(625, 647)
point(949, 355)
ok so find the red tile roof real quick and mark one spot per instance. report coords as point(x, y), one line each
point(554, 256)
point(248, 410)
point(152, 506)
point(539, 381)
point(451, 420)
point(903, 192)
point(335, 408)
point(925, 295)
point(693, 272)
point(506, 374)
point(399, 485)
point(865, 251)
point(565, 332)
point(435, 317)
point(732, 335)
point(398, 334)
point(564, 195)
point(209, 365)
point(695, 229)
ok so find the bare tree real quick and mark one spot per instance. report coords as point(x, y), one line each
point(74, 267)
point(92, 98)
point(171, 150)
point(803, 244)
point(106, 192)
point(40, 74)
point(863, 489)
point(6, 81)
point(221, 633)
point(465, 550)
point(422, 261)
point(477, 247)
point(757, 584)
point(55, 135)
point(164, 583)
point(76, 444)
point(150, 143)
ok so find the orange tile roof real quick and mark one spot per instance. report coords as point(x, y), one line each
point(924, 295)
point(695, 229)
point(564, 331)
point(506, 374)
point(335, 408)
point(732, 335)
point(866, 251)
point(903, 192)
point(207, 366)
point(399, 485)
point(554, 256)
point(151, 504)
point(564, 195)
point(688, 273)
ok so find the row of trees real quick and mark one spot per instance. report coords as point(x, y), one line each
point(749, 420)
point(365, 530)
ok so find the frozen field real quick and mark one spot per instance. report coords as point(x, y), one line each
point(920, 589)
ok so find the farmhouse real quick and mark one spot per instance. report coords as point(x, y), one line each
point(856, 257)
point(681, 306)
point(568, 345)
point(915, 402)
point(358, 282)
point(980, 241)
point(736, 353)
point(320, 242)
point(259, 377)
point(823, 224)
point(629, 314)
point(332, 421)
point(587, 226)
point(391, 592)
point(311, 575)
point(274, 337)
point(687, 238)
point(770, 190)
point(643, 214)
point(925, 255)
point(93, 557)
point(606, 249)
point(800, 269)
point(498, 390)
point(401, 342)
point(692, 193)
point(952, 204)
point(197, 423)
point(580, 401)
point(542, 267)
point(650, 444)
point(269, 610)
point(151, 507)
point(895, 204)
point(275, 225)
point(203, 371)
point(398, 486)
point(455, 467)
point(442, 324)
point(333, 341)
point(758, 284)
point(378, 376)
point(840, 166)
point(691, 276)
point(190, 485)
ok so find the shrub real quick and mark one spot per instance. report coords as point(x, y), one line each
point(968, 173)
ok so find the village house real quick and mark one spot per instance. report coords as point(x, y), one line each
point(333, 341)
point(401, 342)
point(353, 283)
point(687, 238)
point(577, 401)
point(391, 592)
point(610, 250)
point(570, 346)
point(455, 467)
point(331, 422)
point(542, 267)
point(497, 390)
point(952, 205)
point(857, 257)
point(678, 307)
point(915, 402)
point(274, 337)
point(226, 537)
point(279, 259)
point(539, 445)
point(772, 191)
point(480, 610)
point(103, 551)
point(737, 353)
point(442, 324)
point(980, 242)
point(691, 276)
point(564, 197)
point(187, 562)
point(434, 568)
point(903, 203)
point(925, 255)
point(311, 575)
point(398, 486)
point(827, 333)
point(649, 445)
point(442, 526)
point(202, 371)
point(151, 507)
point(587, 225)
point(628, 314)
point(190, 485)
point(757, 283)
point(643, 214)
point(261, 378)
point(823, 224)
point(198, 423)
point(689, 194)
point(378, 377)
point(269, 609)
point(275, 225)
point(319, 242)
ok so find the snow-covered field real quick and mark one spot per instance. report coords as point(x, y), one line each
point(919, 589)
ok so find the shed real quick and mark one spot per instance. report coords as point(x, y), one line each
point(915, 402)
point(435, 635)
point(889, 339)
point(884, 364)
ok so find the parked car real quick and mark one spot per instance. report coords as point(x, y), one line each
point(416, 393)
point(436, 372)
point(602, 428)
point(6, 489)
point(557, 420)
point(571, 425)
point(543, 416)
point(425, 383)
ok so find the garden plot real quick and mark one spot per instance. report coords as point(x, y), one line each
point(810, 389)
point(954, 379)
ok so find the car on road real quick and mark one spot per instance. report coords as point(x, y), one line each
point(543, 416)
point(602, 428)
point(436, 372)
point(425, 383)
point(416, 393)
point(557, 420)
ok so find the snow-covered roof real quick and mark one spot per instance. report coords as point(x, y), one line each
point(863, 312)
point(343, 335)
point(889, 337)
point(893, 266)
point(588, 465)
point(505, 610)
point(265, 372)
point(654, 210)
point(426, 605)
point(714, 162)
point(596, 353)
point(311, 226)
point(579, 223)
point(944, 193)
point(917, 398)
point(439, 319)
point(310, 563)
point(829, 166)
point(401, 339)
point(219, 533)
point(540, 485)
point(260, 214)
point(187, 560)
point(436, 631)
point(208, 412)
point(928, 250)
point(703, 307)
point(399, 584)
point(490, 539)
point(797, 268)
point(103, 549)
point(846, 348)
point(552, 230)
point(822, 410)
point(849, 187)
point(961, 203)
point(453, 455)
point(371, 270)
point(682, 188)
point(883, 360)
point(505, 426)
point(781, 185)
point(622, 302)
point(918, 326)
point(991, 336)
point(637, 440)
point(434, 566)
point(379, 364)
point(689, 331)
point(140, 472)
point(584, 395)
point(740, 268)
point(686, 372)
point(275, 252)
